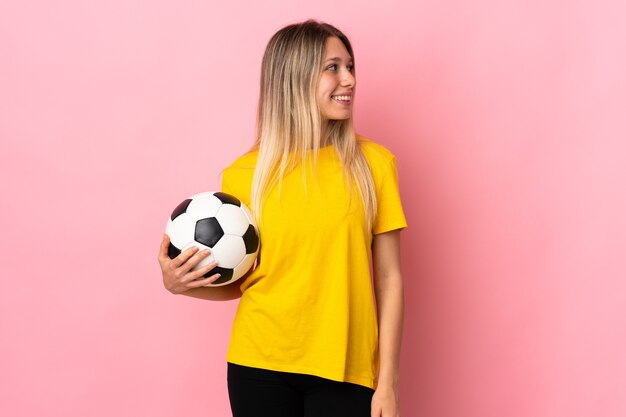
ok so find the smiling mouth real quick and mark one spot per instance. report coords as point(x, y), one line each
point(342, 99)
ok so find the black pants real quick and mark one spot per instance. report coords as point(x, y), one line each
point(255, 392)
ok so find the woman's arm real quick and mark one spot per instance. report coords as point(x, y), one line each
point(223, 293)
point(390, 310)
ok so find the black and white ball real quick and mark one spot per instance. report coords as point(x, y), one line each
point(218, 221)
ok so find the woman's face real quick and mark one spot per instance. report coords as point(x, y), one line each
point(335, 93)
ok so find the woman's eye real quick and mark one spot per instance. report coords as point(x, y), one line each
point(334, 67)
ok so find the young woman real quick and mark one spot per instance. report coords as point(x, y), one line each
point(308, 338)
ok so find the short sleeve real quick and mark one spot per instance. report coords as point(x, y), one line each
point(390, 215)
point(236, 182)
point(226, 188)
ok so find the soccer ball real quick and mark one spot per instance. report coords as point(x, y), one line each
point(218, 221)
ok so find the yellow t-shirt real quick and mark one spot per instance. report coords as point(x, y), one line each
point(308, 307)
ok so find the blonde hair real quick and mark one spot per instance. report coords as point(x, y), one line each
point(289, 120)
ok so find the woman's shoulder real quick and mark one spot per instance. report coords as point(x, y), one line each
point(245, 161)
point(374, 152)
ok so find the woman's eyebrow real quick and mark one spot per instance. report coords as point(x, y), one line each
point(336, 59)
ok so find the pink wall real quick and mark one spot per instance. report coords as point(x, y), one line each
point(508, 119)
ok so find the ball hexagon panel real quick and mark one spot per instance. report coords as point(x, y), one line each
point(248, 214)
point(245, 264)
point(232, 219)
point(229, 251)
point(203, 205)
point(181, 230)
point(208, 231)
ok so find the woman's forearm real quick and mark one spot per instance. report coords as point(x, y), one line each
point(222, 293)
point(390, 308)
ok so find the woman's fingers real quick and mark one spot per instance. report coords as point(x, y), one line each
point(208, 281)
point(195, 279)
point(194, 276)
point(179, 272)
point(163, 248)
point(183, 257)
point(191, 263)
point(180, 259)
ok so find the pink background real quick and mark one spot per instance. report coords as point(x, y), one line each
point(508, 121)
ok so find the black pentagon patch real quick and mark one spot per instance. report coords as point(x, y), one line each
point(208, 231)
point(251, 240)
point(172, 251)
point(226, 274)
point(182, 207)
point(228, 199)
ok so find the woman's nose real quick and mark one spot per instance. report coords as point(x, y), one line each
point(348, 78)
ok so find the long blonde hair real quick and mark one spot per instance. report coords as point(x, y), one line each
point(289, 120)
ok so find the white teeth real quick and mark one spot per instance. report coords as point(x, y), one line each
point(342, 98)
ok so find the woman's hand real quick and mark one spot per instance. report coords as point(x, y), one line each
point(178, 276)
point(385, 402)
